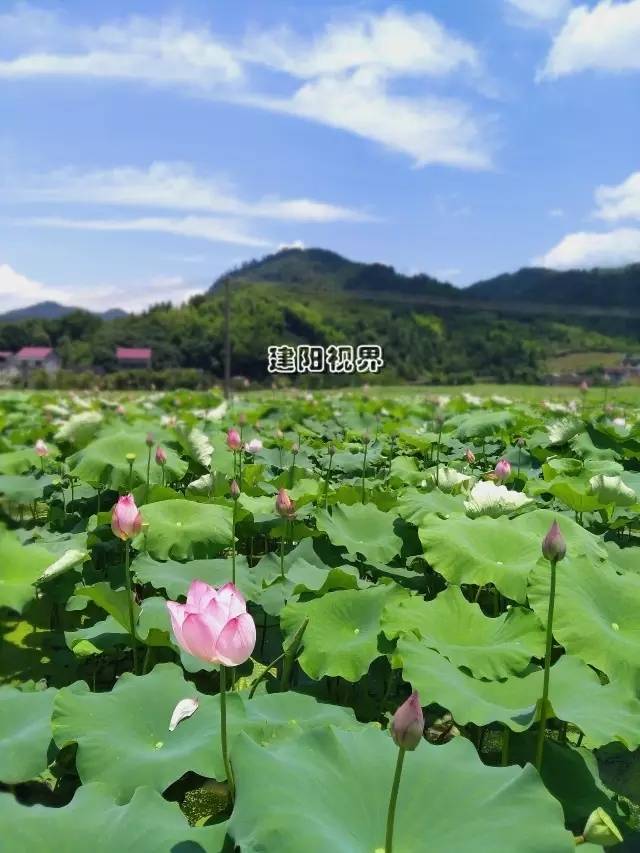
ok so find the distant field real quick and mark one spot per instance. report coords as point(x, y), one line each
point(578, 361)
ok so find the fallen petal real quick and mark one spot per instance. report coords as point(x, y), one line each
point(185, 708)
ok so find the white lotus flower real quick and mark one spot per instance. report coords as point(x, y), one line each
point(471, 399)
point(486, 498)
point(501, 401)
point(253, 446)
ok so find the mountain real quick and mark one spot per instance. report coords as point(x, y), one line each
point(322, 270)
point(607, 288)
point(53, 311)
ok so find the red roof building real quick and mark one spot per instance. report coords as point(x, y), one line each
point(134, 355)
point(34, 353)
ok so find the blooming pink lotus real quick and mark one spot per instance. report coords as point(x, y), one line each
point(126, 520)
point(214, 625)
point(234, 442)
point(41, 448)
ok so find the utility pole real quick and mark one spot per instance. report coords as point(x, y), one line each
point(227, 341)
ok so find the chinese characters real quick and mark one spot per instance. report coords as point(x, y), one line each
point(336, 358)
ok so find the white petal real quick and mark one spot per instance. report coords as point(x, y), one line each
point(185, 708)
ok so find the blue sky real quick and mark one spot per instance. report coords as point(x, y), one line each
point(148, 146)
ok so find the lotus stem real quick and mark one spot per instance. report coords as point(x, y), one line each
point(233, 544)
point(391, 814)
point(282, 541)
point(547, 667)
point(290, 655)
point(438, 458)
point(364, 466)
point(326, 480)
point(132, 627)
point(223, 731)
point(146, 491)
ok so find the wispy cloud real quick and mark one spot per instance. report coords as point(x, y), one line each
point(198, 227)
point(537, 11)
point(168, 186)
point(621, 201)
point(604, 37)
point(355, 75)
point(585, 249)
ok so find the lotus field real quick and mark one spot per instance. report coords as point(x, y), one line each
point(340, 623)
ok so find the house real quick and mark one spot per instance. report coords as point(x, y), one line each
point(30, 358)
point(134, 356)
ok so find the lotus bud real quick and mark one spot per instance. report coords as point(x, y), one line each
point(242, 419)
point(331, 449)
point(295, 449)
point(366, 438)
point(120, 409)
point(554, 547)
point(470, 456)
point(131, 458)
point(234, 442)
point(407, 726)
point(520, 442)
point(41, 448)
point(584, 386)
point(601, 830)
point(253, 446)
point(161, 455)
point(149, 440)
point(502, 470)
point(279, 435)
point(234, 488)
point(126, 520)
point(285, 507)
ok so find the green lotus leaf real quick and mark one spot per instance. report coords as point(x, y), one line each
point(148, 824)
point(479, 425)
point(25, 733)
point(115, 602)
point(605, 713)
point(414, 505)
point(361, 529)
point(175, 577)
point(103, 461)
point(624, 559)
point(490, 648)
point(470, 808)
point(184, 530)
point(596, 614)
point(22, 566)
point(130, 725)
point(342, 635)
point(18, 461)
point(404, 471)
point(24, 489)
point(79, 429)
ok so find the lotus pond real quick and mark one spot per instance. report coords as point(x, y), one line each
point(387, 645)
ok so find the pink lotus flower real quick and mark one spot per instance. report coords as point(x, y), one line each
point(470, 456)
point(407, 726)
point(41, 448)
point(253, 446)
point(234, 442)
point(126, 520)
point(502, 470)
point(214, 625)
point(234, 488)
point(285, 507)
point(161, 455)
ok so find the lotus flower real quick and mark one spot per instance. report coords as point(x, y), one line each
point(470, 456)
point(253, 446)
point(149, 439)
point(502, 470)
point(601, 830)
point(234, 488)
point(41, 448)
point(214, 625)
point(285, 507)
point(407, 726)
point(553, 545)
point(126, 520)
point(584, 386)
point(234, 442)
point(161, 455)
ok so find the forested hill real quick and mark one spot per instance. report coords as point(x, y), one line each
point(607, 288)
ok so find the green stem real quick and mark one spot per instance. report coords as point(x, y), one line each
point(132, 626)
point(326, 480)
point(146, 661)
point(233, 544)
point(438, 458)
point(130, 476)
point(146, 491)
point(364, 466)
point(223, 730)
point(282, 540)
point(391, 814)
point(506, 734)
point(290, 655)
point(264, 674)
point(547, 667)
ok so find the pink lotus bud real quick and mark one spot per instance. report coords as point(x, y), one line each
point(584, 386)
point(502, 470)
point(149, 440)
point(470, 456)
point(234, 488)
point(161, 455)
point(407, 726)
point(214, 625)
point(126, 520)
point(242, 419)
point(554, 547)
point(253, 446)
point(234, 442)
point(41, 448)
point(285, 507)
point(120, 409)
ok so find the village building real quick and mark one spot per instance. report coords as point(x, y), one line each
point(134, 357)
point(32, 358)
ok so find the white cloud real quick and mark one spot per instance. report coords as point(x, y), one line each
point(296, 244)
point(621, 201)
point(172, 186)
point(352, 73)
point(429, 130)
point(541, 11)
point(556, 213)
point(199, 227)
point(585, 249)
point(392, 42)
point(139, 49)
point(18, 290)
point(605, 37)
